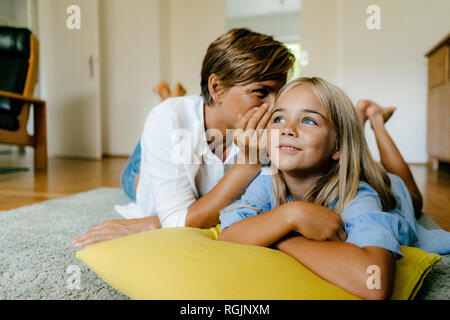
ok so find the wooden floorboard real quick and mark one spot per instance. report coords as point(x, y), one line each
point(65, 177)
point(435, 189)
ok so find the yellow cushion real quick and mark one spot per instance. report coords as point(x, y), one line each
point(189, 264)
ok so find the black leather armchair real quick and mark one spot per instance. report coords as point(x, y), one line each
point(19, 60)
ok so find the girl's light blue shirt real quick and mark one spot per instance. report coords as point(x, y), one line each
point(365, 222)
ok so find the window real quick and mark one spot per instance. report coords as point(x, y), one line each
point(296, 49)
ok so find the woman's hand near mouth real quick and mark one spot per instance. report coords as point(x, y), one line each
point(250, 134)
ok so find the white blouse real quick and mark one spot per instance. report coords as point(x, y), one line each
point(177, 165)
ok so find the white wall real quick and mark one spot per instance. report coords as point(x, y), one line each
point(130, 64)
point(319, 35)
point(194, 24)
point(19, 13)
point(144, 42)
point(389, 66)
point(10, 13)
point(284, 27)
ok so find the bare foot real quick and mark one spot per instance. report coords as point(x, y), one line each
point(179, 90)
point(361, 107)
point(379, 115)
point(388, 112)
point(162, 90)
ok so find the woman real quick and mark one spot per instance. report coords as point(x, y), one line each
point(241, 73)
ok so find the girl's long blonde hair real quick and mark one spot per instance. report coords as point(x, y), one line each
point(355, 163)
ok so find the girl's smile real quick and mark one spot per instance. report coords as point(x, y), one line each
point(289, 149)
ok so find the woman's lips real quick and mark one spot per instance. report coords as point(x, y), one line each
point(286, 148)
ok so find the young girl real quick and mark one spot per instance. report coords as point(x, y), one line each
point(325, 201)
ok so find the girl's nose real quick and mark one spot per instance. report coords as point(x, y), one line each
point(289, 131)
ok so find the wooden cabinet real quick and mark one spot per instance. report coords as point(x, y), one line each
point(438, 122)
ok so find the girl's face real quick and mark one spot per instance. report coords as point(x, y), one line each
point(241, 98)
point(306, 139)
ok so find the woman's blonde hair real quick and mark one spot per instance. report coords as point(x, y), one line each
point(355, 162)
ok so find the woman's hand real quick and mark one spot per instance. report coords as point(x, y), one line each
point(316, 222)
point(250, 134)
point(113, 229)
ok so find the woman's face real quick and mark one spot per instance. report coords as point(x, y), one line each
point(300, 135)
point(241, 98)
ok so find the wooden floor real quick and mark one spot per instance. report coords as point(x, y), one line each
point(66, 177)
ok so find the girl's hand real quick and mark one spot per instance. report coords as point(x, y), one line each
point(250, 134)
point(316, 222)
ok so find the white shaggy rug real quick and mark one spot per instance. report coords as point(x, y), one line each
point(37, 259)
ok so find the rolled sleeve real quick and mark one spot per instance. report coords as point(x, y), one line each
point(255, 200)
point(375, 229)
point(175, 219)
point(366, 224)
point(231, 216)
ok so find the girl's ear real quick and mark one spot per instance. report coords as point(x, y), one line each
point(215, 88)
point(336, 155)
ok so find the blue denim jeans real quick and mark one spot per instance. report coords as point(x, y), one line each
point(131, 171)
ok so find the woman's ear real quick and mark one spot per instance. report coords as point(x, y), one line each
point(215, 88)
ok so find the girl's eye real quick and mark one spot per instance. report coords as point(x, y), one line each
point(309, 121)
point(278, 120)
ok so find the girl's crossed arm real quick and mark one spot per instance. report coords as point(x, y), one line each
point(345, 265)
point(341, 263)
point(311, 220)
point(370, 250)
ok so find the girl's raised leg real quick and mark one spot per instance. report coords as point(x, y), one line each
point(390, 156)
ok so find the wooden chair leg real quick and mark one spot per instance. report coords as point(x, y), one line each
point(40, 138)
